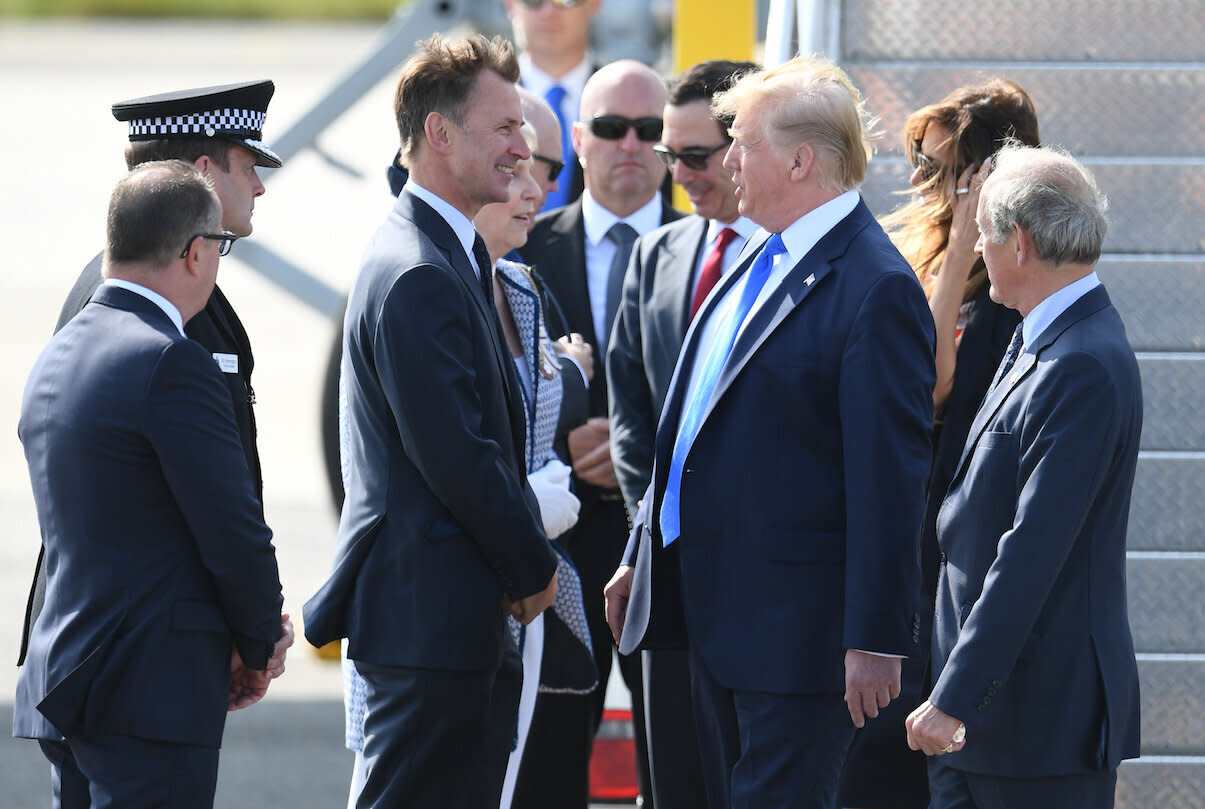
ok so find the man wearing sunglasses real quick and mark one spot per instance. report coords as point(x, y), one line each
point(553, 38)
point(582, 252)
point(162, 600)
point(671, 271)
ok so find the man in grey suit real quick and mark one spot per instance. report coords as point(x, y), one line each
point(440, 535)
point(1035, 696)
point(670, 274)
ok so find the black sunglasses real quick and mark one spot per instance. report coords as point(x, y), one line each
point(693, 157)
point(225, 242)
point(554, 166)
point(615, 127)
point(557, 3)
point(922, 161)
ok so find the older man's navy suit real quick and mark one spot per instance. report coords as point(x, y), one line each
point(156, 553)
point(803, 491)
point(1032, 647)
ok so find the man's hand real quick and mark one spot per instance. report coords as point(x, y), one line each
point(871, 682)
point(617, 592)
point(575, 346)
point(247, 686)
point(934, 732)
point(276, 663)
point(525, 610)
point(590, 451)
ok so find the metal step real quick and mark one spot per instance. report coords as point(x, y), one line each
point(1173, 387)
point(1167, 614)
point(1162, 300)
point(1082, 30)
point(1172, 723)
point(1167, 512)
point(1097, 110)
point(1155, 205)
point(1161, 783)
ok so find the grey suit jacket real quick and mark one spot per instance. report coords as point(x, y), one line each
point(649, 328)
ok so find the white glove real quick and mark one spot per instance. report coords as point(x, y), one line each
point(558, 505)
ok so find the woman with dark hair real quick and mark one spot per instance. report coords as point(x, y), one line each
point(949, 144)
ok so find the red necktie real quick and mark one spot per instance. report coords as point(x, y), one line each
point(712, 266)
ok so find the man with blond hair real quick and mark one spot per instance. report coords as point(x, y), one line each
point(779, 538)
point(440, 536)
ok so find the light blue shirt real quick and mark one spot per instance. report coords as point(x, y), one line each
point(461, 225)
point(539, 82)
point(151, 295)
point(1048, 310)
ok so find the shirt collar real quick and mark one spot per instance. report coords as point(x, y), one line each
point(1048, 310)
point(803, 234)
point(461, 225)
point(744, 227)
point(151, 295)
point(539, 82)
point(598, 220)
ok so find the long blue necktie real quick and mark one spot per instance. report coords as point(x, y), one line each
point(692, 415)
point(555, 98)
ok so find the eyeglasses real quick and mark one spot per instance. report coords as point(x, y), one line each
point(557, 3)
point(694, 157)
point(615, 127)
point(225, 241)
point(922, 161)
point(554, 166)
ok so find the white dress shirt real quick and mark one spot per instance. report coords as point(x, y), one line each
point(600, 251)
point(154, 297)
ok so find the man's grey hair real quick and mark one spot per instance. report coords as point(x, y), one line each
point(1050, 194)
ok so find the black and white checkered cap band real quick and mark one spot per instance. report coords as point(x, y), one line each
point(227, 121)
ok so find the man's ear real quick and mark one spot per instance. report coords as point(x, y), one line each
point(202, 164)
point(802, 162)
point(437, 130)
point(1024, 246)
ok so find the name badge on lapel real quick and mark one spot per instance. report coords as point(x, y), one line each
point(228, 363)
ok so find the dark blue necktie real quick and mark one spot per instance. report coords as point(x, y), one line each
point(692, 415)
point(1010, 356)
point(555, 98)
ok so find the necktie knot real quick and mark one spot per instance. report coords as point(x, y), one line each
point(554, 96)
point(724, 239)
point(774, 246)
point(622, 234)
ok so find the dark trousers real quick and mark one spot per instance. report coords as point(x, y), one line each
point(673, 743)
point(954, 789)
point(123, 772)
point(437, 738)
point(595, 544)
point(769, 751)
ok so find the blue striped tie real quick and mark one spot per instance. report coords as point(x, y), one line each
point(692, 415)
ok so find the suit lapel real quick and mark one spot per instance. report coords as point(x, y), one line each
point(683, 256)
point(444, 238)
point(1092, 302)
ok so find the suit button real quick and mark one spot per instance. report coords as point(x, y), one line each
point(982, 708)
point(996, 683)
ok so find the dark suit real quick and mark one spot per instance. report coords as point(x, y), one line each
point(218, 329)
point(645, 342)
point(801, 506)
point(157, 553)
point(1031, 645)
point(557, 249)
point(439, 522)
point(880, 769)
